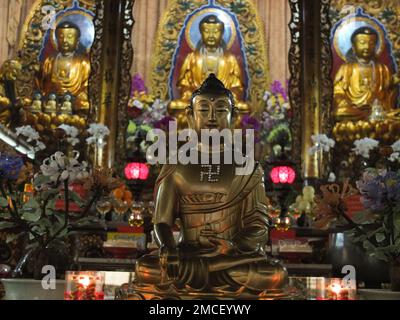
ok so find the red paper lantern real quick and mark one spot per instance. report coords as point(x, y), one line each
point(137, 171)
point(283, 175)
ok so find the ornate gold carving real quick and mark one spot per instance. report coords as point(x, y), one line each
point(310, 87)
point(295, 84)
point(109, 84)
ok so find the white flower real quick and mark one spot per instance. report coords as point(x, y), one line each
point(72, 134)
point(395, 156)
point(364, 146)
point(69, 130)
point(32, 136)
point(267, 94)
point(98, 133)
point(396, 146)
point(143, 146)
point(138, 104)
point(321, 143)
point(332, 177)
point(60, 168)
point(27, 132)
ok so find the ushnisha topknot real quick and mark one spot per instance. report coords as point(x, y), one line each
point(212, 85)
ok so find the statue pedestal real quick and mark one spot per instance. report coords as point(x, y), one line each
point(137, 291)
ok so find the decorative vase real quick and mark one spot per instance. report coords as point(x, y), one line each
point(395, 275)
point(32, 262)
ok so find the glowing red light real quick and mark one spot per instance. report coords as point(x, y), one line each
point(283, 174)
point(137, 171)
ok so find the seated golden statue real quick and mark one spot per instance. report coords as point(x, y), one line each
point(223, 216)
point(209, 57)
point(67, 72)
point(363, 80)
point(9, 72)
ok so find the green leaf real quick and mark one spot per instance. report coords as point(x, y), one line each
point(12, 237)
point(131, 128)
point(60, 217)
point(380, 237)
point(44, 223)
point(32, 216)
point(75, 198)
point(51, 205)
point(31, 204)
point(87, 221)
point(6, 225)
point(41, 179)
point(48, 193)
point(5, 214)
point(3, 202)
point(63, 233)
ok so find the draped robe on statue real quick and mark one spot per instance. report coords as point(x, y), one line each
point(237, 214)
point(358, 86)
point(75, 81)
point(194, 72)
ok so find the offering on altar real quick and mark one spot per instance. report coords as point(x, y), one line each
point(81, 285)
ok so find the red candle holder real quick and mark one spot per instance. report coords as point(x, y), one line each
point(84, 285)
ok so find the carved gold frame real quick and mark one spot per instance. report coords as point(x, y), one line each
point(310, 86)
point(110, 80)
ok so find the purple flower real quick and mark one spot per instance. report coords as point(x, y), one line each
point(163, 124)
point(249, 122)
point(379, 190)
point(10, 166)
point(277, 88)
point(138, 85)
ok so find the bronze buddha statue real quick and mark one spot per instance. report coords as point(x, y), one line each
point(363, 80)
point(209, 57)
point(223, 216)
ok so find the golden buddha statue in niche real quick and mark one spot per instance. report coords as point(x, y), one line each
point(363, 80)
point(8, 72)
point(209, 57)
point(223, 216)
point(67, 72)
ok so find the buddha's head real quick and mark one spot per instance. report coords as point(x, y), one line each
point(68, 36)
point(212, 30)
point(364, 41)
point(212, 107)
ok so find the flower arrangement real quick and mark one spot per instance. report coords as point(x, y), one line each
point(32, 136)
point(276, 116)
point(321, 142)
point(146, 112)
point(64, 190)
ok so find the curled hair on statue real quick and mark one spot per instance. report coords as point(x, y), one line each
point(68, 25)
point(212, 85)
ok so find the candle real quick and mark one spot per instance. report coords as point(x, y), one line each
point(84, 286)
